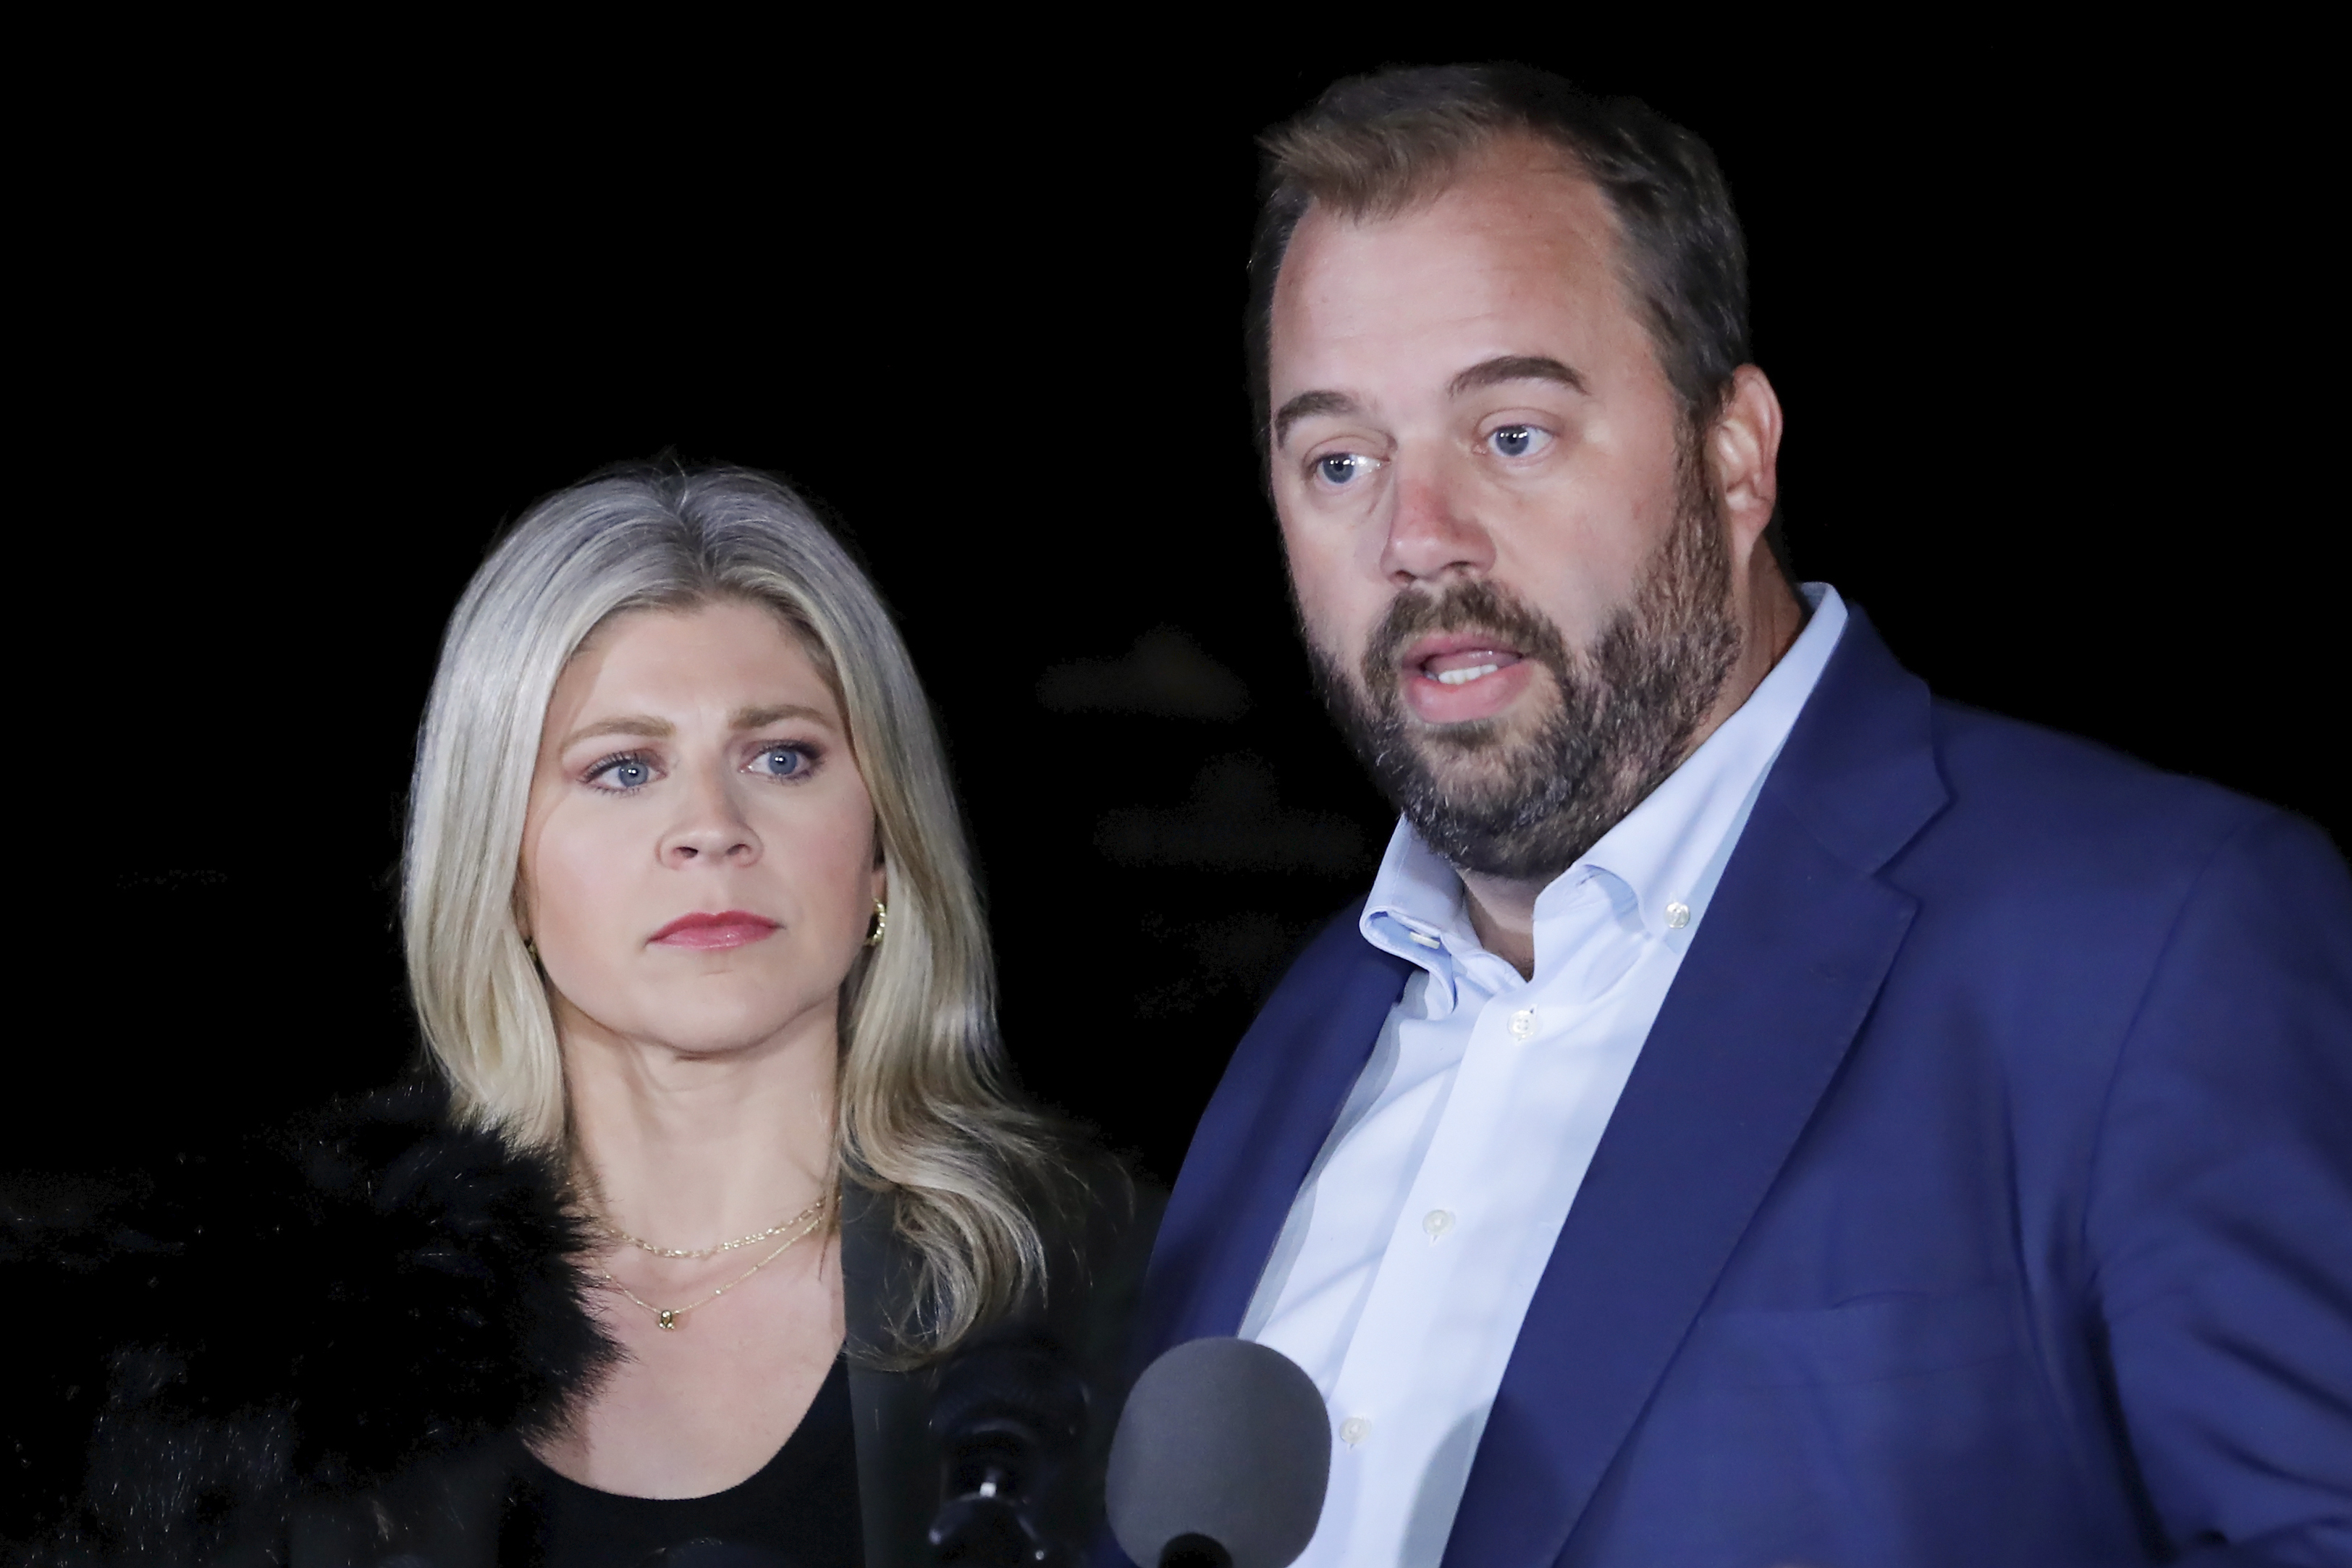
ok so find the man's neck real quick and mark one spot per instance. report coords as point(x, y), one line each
point(1503, 908)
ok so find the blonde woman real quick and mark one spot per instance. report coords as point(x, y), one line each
point(720, 1169)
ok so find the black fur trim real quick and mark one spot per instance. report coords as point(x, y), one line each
point(369, 1290)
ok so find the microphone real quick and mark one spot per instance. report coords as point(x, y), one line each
point(1221, 1460)
point(1008, 1413)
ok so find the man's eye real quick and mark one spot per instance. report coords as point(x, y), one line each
point(1342, 469)
point(783, 762)
point(1516, 440)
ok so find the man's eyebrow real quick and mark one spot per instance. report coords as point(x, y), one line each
point(626, 724)
point(1514, 367)
point(1486, 372)
point(1305, 406)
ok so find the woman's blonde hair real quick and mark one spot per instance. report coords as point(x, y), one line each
point(923, 1113)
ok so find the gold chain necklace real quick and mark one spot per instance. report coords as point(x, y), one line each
point(667, 1317)
point(617, 1233)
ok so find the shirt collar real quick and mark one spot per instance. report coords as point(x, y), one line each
point(1666, 853)
point(1418, 911)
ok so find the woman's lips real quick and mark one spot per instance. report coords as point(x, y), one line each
point(1462, 678)
point(734, 928)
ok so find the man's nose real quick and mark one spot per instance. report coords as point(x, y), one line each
point(1432, 533)
point(712, 826)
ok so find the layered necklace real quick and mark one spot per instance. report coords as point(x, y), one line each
point(792, 1230)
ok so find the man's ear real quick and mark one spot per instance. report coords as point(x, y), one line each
point(1743, 452)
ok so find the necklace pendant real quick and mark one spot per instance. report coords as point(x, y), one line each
point(667, 1319)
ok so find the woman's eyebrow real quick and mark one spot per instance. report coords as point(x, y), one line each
point(760, 717)
point(626, 725)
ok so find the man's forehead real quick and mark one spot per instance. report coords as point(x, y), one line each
point(1514, 245)
point(1517, 192)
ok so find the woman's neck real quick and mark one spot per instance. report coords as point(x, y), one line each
point(688, 1151)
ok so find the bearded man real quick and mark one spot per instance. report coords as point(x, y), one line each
point(1760, 1113)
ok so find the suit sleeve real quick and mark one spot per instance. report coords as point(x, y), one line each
point(2218, 1222)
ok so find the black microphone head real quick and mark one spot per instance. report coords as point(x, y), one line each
point(1008, 1409)
point(1225, 1439)
point(1014, 1381)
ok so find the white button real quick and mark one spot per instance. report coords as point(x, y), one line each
point(1354, 1430)
point(1677, 915)
point(1437, 1222)
point(1424, 941)
point(1523, 1023)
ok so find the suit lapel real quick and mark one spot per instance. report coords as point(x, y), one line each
point(1796, 945)
point(1270, 1115)
point(897, 1477)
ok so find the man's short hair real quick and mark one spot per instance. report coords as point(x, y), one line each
point(1373, 145)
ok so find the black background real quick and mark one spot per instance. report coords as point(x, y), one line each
point(310, 321)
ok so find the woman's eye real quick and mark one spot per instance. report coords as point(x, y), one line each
point(621, 773)
point(783, 762)
point(1342, 469)
point(1516, 440)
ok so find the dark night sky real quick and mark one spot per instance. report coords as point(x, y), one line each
point(296, 354)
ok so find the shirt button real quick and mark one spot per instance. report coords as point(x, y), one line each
point(1437, 1222)
point(1677, 915)
point(1354, 1430)
point(1523, 1023)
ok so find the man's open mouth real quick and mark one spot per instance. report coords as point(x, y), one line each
point(1459, 658)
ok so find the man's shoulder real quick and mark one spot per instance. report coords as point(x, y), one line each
point(2021, 791)
point(2053, 855)
point(1892, 776)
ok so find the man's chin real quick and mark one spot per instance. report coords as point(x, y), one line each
point(1489, 773)
point(1473, 748)
point(1470, 777)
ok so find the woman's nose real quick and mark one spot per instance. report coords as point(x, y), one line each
point(713, 828)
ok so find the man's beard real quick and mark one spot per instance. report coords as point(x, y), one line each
point(1526, 807)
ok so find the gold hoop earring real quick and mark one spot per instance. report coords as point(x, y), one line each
point(881, 919)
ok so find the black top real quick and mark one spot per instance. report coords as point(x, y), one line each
point(800, 1510)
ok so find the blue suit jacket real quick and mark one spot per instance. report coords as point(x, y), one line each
point(1982, 1194)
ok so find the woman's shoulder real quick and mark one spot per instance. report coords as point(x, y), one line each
point(1090, 1215)
point(307, 1314)
point(1098, 1238)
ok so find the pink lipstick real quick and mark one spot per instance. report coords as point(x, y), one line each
point(712, 933)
